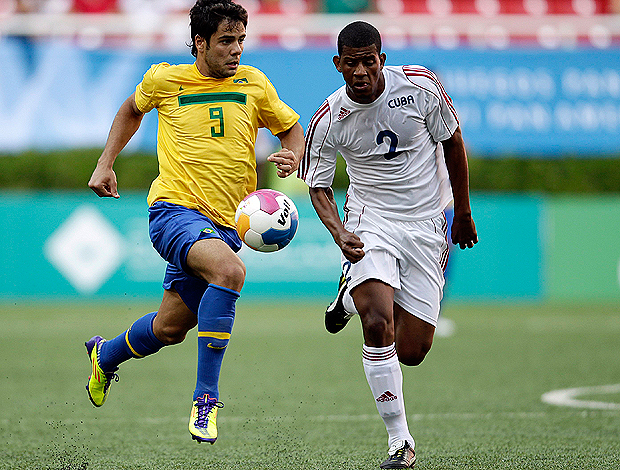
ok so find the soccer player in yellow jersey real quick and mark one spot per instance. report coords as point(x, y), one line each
point(209, 115)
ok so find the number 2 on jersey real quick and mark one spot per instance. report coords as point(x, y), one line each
point(393, 138)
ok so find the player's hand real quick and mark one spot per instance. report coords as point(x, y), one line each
point(103, 182)
point(351, 246)
point(464, 231)
point(285, 161)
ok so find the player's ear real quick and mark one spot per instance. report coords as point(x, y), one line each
point(382, 58)
point(336, 60)
point(200, 43)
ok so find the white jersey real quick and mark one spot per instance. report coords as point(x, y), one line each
point(390, 146)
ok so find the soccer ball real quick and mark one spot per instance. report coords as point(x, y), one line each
point(266, 220)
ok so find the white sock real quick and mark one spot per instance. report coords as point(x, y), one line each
point(386, 384)
point(349, 305)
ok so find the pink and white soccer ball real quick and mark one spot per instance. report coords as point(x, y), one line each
point(266, 220)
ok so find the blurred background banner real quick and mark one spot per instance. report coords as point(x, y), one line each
point(542, 103)
point(534, 248)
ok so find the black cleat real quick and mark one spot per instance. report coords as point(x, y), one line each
point(400, 455)
point(336, 317)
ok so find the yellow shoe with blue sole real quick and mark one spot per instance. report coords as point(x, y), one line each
point(99, 382)
point(203, 419)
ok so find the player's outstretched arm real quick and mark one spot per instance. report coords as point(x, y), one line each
point(287, 160)
point(327, 210)
point(125, 124)
point(463, 228)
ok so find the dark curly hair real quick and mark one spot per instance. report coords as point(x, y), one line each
point(359, 34)
point(206, 15)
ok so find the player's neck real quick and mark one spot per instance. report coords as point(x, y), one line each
point(203, 68)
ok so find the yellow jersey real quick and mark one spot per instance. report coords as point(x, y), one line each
point(206, 134)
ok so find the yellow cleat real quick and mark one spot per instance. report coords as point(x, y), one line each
point(99, 381)
point(202, 421)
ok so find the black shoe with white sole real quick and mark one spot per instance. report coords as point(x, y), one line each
point(400, 455)
point(336, 317)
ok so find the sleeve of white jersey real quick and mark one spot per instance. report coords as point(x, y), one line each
point(318, 166)
point(441, 118)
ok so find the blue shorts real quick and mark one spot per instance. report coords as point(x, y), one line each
point(173, 230)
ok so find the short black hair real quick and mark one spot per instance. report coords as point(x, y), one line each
point(206, 15)
point(359, 34)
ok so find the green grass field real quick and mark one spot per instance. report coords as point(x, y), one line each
point(296, 397)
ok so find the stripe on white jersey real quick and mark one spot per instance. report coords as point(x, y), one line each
point(411, 71)
point(305, 164)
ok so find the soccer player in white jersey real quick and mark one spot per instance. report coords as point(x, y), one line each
point(398, 132)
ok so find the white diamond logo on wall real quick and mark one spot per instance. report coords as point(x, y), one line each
point(86, 249)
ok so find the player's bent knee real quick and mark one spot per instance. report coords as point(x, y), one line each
point(378, 329)
point(170, 334)
point(411, 361)
point(413, 356)
point(231, 276)
point(229, 273)
point(172, 338)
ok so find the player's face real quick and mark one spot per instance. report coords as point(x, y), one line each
point(362, 70)
point(220, 58)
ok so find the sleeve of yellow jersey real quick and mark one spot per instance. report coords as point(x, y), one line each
point(275, 114)
point(146, 95)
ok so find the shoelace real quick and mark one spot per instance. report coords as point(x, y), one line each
point(204, 408)
point(399, 452)
point(111, 376)
point(398, 455)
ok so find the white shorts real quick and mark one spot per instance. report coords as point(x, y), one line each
point(409, 256)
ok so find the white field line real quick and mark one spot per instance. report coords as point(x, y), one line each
point(569, 397)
